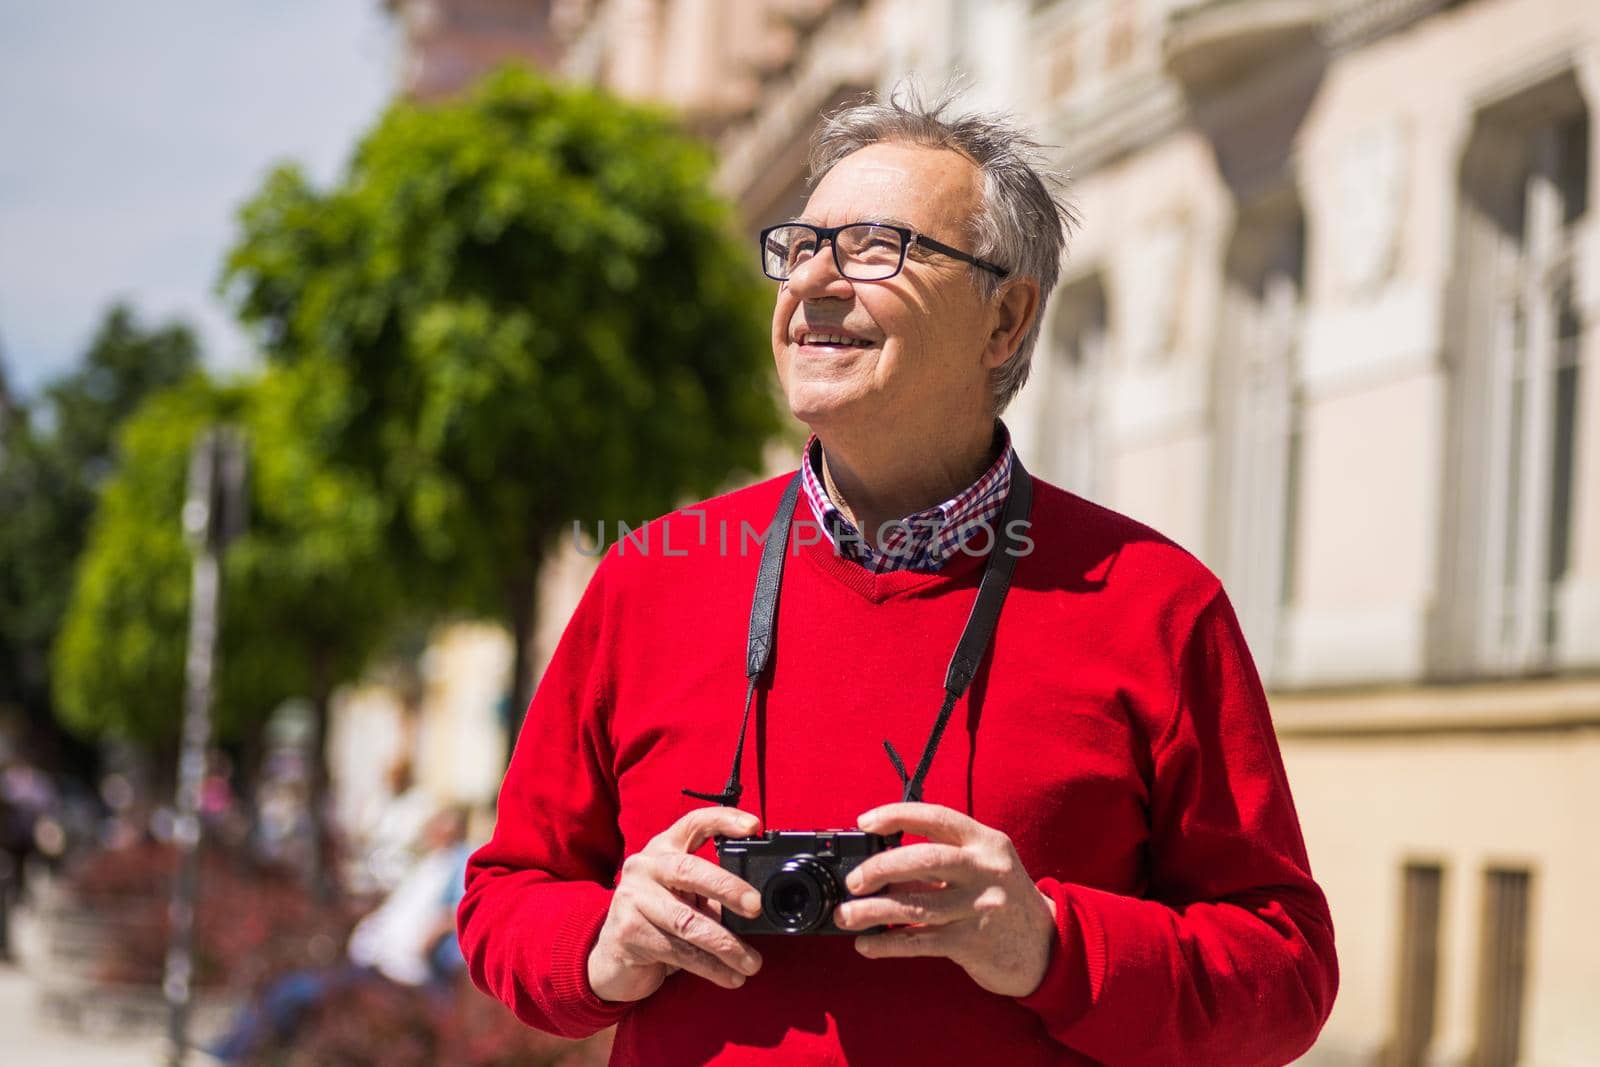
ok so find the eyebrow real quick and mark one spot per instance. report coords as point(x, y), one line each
point(888, 220)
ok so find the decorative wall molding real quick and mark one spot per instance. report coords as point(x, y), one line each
point(1586, 268)
point(844, 52)
point(1359, 22)
point(1362, 645)
point(1220, 41)
point(1479, 707)
point(583, 56)
point(1131, 114)
point(1155, 404)
point(1149, 291)
point(1353, 347)
point(1578, 609)
point(1370, 192)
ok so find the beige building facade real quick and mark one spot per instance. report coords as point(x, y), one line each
point(1330, 323)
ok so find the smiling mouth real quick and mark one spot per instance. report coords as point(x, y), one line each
point(833, 341)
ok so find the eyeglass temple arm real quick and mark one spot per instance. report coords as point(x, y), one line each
point(956, 253)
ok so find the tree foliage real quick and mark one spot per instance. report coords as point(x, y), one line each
point(307, 593)
point(54, 455)
point(542, 311)
point(125, 364)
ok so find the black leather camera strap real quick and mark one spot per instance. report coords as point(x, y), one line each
point(975, 637)
point(763, 630)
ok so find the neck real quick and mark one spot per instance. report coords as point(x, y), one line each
point(876, 479)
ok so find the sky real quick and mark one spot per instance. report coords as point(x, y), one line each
point(130, 133)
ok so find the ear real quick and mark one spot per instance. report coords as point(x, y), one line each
point(1014, 312)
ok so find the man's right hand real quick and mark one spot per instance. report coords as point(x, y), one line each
point(656, 925)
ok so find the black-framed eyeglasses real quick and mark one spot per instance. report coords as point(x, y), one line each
point(863, 251)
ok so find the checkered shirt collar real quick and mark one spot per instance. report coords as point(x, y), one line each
point(927, 539)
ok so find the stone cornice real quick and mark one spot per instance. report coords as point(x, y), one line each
point(1358, 22)
point(583, 54)
point(789, 105)
point(1490, 707)
point(1129, 114)
point(1221, 42)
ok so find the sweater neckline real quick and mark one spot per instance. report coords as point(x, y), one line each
point(879, 587)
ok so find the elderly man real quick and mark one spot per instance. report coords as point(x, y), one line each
point(1100, 860)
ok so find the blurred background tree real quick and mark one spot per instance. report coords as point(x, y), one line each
point(54, 456)
point(543, 315)
point(308, 593)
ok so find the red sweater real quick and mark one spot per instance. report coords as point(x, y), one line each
point(1116, 731)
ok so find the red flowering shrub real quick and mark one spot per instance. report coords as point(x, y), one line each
point(253, 920)
point(256, 922)
point(381, 1024)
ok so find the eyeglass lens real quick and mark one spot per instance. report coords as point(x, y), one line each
point(863, 253)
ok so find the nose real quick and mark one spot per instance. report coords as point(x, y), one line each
point(819, 277)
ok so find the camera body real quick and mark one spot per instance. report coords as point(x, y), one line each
point(800, 875)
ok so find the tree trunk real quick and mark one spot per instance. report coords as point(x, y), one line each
point(522, 592)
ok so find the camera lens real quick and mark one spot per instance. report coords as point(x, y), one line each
point(790, 901)
point(801, 895)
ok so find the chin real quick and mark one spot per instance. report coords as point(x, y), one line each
point(820, 401)
point(811, 413)
point(830, 388)
point(818, 411)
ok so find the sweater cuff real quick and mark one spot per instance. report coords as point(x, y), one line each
point(1073, 972)
point(569, 978)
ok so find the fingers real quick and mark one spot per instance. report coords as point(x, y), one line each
point(702, 824)
point(697, 961)
point(923, 862)
point(933, 821)
point(693, 940)
point(652, 946)
point(694, 876)
point(911, 941)
point(929, 907)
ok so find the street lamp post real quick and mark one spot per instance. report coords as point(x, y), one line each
point(213, 515)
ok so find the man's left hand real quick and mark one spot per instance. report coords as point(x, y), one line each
point(963, 894)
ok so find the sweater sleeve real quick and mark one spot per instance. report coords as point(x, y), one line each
point(1230, 959)
point(539, 890)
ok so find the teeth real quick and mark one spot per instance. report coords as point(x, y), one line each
point(832, 339)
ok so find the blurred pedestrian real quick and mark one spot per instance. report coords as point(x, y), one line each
point(409, 939)
point(29, 827)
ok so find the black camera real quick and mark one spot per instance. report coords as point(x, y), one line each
point(800, 876)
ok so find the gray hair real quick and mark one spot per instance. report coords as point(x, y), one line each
point(1024, 220)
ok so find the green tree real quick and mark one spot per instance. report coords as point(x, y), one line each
point(543, 306)
point(54, 454)
point(125, 363)
point(308, 595)
point(118, 667)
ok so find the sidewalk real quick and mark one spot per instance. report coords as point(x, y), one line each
point(31, 1037)
point(35, 1040)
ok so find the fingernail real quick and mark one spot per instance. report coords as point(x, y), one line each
point(853, 882)
point(738, 980)
point(841, 916)
point(751, 903)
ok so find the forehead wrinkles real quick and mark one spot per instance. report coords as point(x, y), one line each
point(865, 192)
point(941, 196)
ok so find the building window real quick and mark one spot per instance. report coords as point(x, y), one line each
point(1515, 380)
point(1070, 442)
point(1417, 977)
point(1502, 968)
point(1257, 423)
